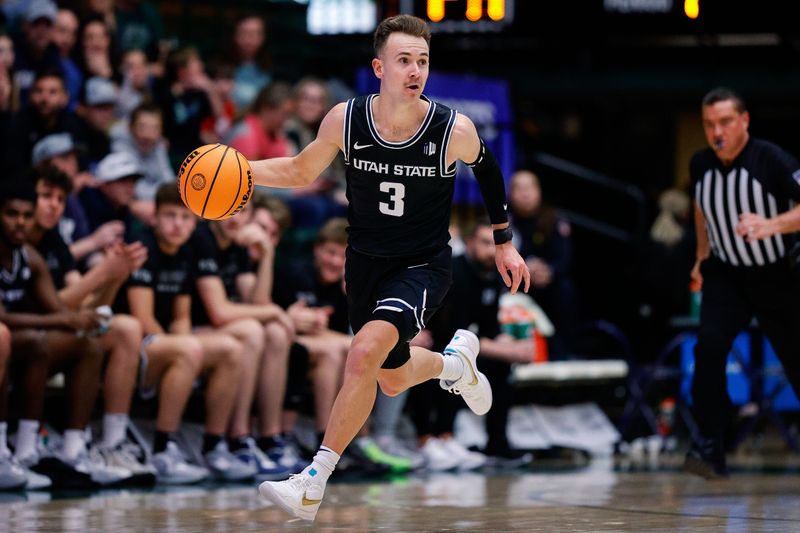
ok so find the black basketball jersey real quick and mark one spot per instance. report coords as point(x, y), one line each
point(15, 284)
point(400, 193)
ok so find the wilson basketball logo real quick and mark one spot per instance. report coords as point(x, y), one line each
point(246, 196)
point(198, 182)
point(186, 162)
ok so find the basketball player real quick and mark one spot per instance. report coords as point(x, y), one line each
point(159, 295)
point(400, 150)
point(98, 286)
point(45, 340)
point(233, 294)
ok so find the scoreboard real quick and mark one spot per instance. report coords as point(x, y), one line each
point(462, 15)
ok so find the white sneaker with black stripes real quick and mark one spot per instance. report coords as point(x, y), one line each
point(473, 386)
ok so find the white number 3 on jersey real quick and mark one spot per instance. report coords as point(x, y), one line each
point(396, 191)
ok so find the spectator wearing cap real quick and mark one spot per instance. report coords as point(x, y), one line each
point(96, 112)
point(65, 32)
point(45, 113)
point(111, 200)
point(59, 151)
point(143, 138)
point(35, 50)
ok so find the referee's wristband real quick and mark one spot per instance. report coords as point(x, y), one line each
point(502, 236)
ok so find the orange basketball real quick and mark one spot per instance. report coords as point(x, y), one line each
point(215, 181)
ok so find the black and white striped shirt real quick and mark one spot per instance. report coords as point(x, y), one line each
point(763, 180)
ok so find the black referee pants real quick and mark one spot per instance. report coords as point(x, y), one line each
point(732, 296)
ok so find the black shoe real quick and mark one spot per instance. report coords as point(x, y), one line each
point(505, 457)
point(63, 475)
point(355, 462)
point(304, 453)
point(707, 461)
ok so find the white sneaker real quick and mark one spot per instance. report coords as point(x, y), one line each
point(225, 465)
point(129, 456)
point(467, 460)
point(300, 495)
point(437, 458)
point(34, 480)
point(12, 474)
point(472, 385)
point(95, 465)
point(266, 468)
point(173, 468)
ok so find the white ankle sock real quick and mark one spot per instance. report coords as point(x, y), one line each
point(27, 433)
point(114, 427)
point(74, 443)
point(452, 367)
point(323, 464)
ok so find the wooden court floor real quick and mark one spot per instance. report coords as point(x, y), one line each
point(600, 496)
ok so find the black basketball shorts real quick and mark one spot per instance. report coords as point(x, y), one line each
point(402, 291)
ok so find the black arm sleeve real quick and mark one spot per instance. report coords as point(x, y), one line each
point(493, 188)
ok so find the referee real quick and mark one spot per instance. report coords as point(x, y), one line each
point(746, 192)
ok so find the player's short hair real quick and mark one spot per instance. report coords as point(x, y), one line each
point(168, 194)
point(722, 94)
point(276, 207)
point(410, 25)
point(334, 230)
point(272, 96)
point(53, 177)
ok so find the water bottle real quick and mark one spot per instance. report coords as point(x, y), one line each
point(695, 299)
point(666, 416)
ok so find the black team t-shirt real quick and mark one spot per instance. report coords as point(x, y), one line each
point(168, 275)
point(211, 260)
point(299, 280)
point(57, 256)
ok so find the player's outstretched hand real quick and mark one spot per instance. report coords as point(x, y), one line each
point(511, 267)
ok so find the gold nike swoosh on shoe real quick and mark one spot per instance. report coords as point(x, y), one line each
point(474, 374)
point(474, 377)
point(471, 369)
point(306, 501)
